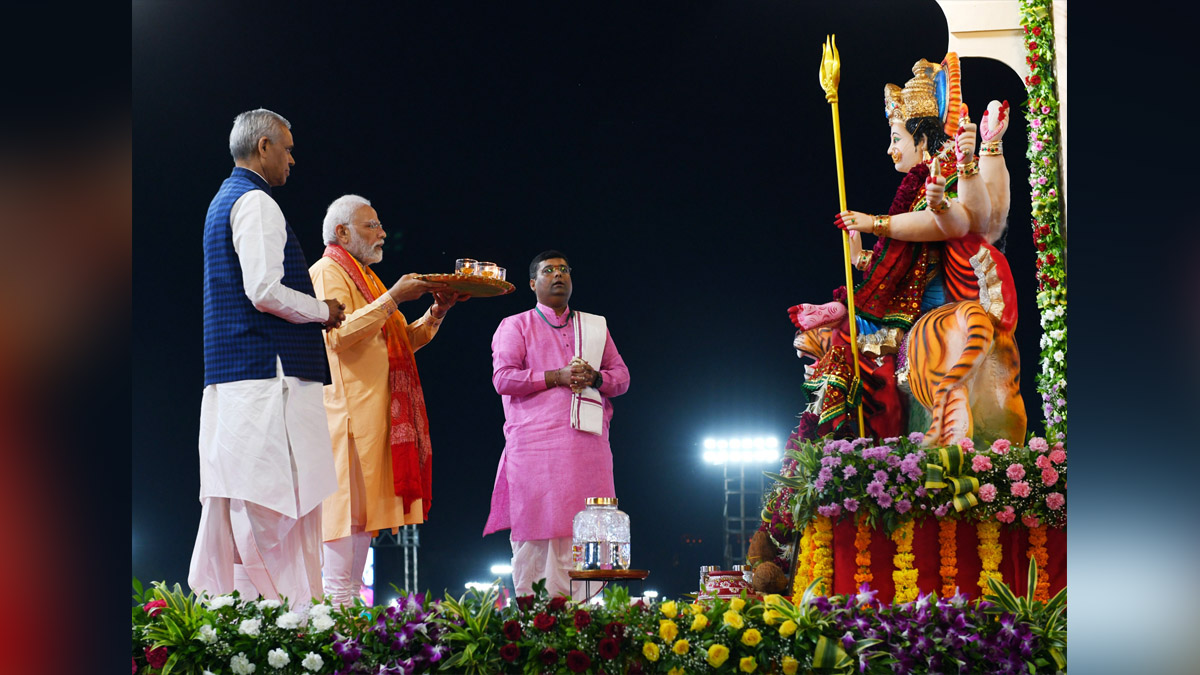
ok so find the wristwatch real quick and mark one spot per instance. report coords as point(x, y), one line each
point(599, 381)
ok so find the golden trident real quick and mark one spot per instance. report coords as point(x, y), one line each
point(831, 75)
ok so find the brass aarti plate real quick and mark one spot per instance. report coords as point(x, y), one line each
point(476, 286)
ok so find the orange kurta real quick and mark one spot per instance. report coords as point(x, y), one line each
point(358, 401)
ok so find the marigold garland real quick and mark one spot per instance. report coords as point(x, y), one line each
point(862, 544)
point(905, 574)
point(822, 565)
point(804, 563)
point(990, 554)
point(1037, 551)
point(948, 538)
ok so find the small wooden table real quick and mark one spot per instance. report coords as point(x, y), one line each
point(603, 577)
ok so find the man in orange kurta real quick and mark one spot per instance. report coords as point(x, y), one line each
point(375, 406)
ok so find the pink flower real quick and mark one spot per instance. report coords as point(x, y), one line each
point(987, 492)
point(1035, 123)
point(1007, 515)
point(967, 444)
point(981, 463)
point(1058, 456)
point(154, 607)
point(1058, 446)
point(1038, 444)
point(1041, 180)
point(1045, 110)
point(1055, 501)
point(1049, 476)
point(1015, 472)
point(1001, 446)
point(850, 504)
point(1020, 488)
point(1037, 145)
point(1030, 520)
point(1042, 462)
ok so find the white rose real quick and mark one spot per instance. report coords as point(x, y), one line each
point(1057, 334)
point(289, 620)
point(313, 662)
point(240, 665)
point(208, 634)
point(322, 623)
point(221, 601)
point(278, 658)
point(1058, 356)
point(268, 604)
point(250, 627)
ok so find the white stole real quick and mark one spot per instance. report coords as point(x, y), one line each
point(587, 408)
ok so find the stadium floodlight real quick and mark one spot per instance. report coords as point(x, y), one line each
point(741, 450)
point(502, 568)
point(650, 594)
point(480, 586)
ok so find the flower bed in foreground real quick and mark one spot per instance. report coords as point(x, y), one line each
point(174, 632)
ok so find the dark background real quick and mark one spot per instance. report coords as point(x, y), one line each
point(681, 155)
point(1133, 312)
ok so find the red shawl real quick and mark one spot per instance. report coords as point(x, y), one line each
point(409, 438)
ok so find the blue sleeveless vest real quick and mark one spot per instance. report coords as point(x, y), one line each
point(240, 342)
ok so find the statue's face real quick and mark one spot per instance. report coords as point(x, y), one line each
point(905, 155)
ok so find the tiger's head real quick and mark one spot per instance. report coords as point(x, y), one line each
point(813, 343)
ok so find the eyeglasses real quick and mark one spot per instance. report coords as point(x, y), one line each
point(373, 224)
point(549, 270)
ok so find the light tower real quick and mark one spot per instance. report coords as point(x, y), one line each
point(734, 454)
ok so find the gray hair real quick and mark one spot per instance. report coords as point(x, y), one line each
point(252, 125)
point(339, 213)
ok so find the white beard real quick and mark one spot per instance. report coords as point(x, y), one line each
point(361, 250)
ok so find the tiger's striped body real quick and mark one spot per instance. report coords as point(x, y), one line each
point(966, 372)
point(961, 367)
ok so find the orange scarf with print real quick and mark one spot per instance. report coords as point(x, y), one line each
point(409, 437)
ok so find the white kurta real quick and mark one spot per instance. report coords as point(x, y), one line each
point(249, 436)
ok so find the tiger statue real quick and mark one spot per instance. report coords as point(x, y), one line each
point(962, 369)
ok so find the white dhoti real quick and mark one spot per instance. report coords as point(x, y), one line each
point(548, 559)
point(266, 464)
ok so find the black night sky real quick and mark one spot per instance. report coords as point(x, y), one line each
point(680, 153)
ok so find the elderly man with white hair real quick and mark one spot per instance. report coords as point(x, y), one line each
point(375, 406)
point(265, 458)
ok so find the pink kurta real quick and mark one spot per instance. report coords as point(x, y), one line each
point(547, 468)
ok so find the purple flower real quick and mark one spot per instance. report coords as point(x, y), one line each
point(830, 510)
point(921, 491)
point(850, 504)
point(892, 461)
point(830, 461)
point(881, 476)
point(885, 500)
point(916, 438)
point(903, 506)
point(825, 474)
point(849, 471)
point(875, 489)
point(941, 511)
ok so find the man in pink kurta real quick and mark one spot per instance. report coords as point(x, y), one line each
point(548, 469)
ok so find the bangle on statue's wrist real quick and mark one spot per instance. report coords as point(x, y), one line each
point(598, 381)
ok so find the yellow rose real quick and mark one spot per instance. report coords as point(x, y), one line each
point(681, 647)
point(675, 671)
point(737, 604)
point(734, 619)
point(751, 637)
point(717, 655)
point(669, 609)
point(667, 630)
point(770, 616)
point(699, 623)
point(650, 651)
point(696, 608)
point(790, 665)
point(747, 664)
point(787, 628)
point(772, 599)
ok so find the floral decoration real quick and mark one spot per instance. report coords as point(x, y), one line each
point(990, 552)
point(948, 555)
point(862, 548)
point(904, 573)
point(1049, 232)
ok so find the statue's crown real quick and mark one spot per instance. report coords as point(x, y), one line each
point(918, 98)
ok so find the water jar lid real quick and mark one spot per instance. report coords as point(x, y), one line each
point(601, 501)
